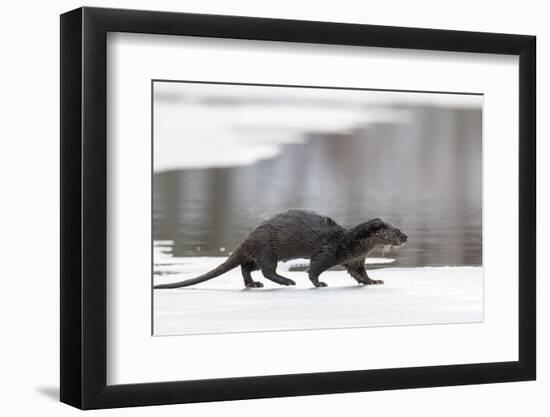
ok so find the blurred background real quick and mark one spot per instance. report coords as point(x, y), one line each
point(228, 156)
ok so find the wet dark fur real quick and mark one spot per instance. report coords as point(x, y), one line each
point(304, 234)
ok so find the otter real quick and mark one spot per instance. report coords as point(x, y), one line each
point(304, 234)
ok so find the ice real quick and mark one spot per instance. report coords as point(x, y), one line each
point(194, 266)
point(230, 125)
point(433, 295)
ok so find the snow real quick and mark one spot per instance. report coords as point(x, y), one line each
point(230, 125)
point(194, 266)
point(409, 296)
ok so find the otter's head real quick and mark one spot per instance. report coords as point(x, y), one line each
point(379, 232)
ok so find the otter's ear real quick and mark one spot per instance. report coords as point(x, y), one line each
point(376, 223)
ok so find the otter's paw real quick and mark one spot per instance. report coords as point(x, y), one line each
point(255, 284)
point(320, 284)
point(291, 282)
point(370, 281)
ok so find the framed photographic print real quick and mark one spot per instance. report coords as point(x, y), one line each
point(256, 207)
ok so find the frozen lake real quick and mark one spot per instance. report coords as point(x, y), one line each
point(432, 295)
point(226, 157)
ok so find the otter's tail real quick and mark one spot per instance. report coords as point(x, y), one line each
point(232, 262)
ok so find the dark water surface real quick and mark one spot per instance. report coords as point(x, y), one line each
point(423, 176)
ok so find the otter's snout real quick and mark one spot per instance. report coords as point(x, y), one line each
point(402, 237)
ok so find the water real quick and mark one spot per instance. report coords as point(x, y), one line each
point(423, 176)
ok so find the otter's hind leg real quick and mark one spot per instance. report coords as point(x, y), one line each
point(246, 270)
point(359, 273)
point(269, 269)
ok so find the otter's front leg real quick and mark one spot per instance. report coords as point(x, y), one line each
point(317, 266)
point(359, 273)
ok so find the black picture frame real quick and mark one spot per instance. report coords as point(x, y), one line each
point(84, 207)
